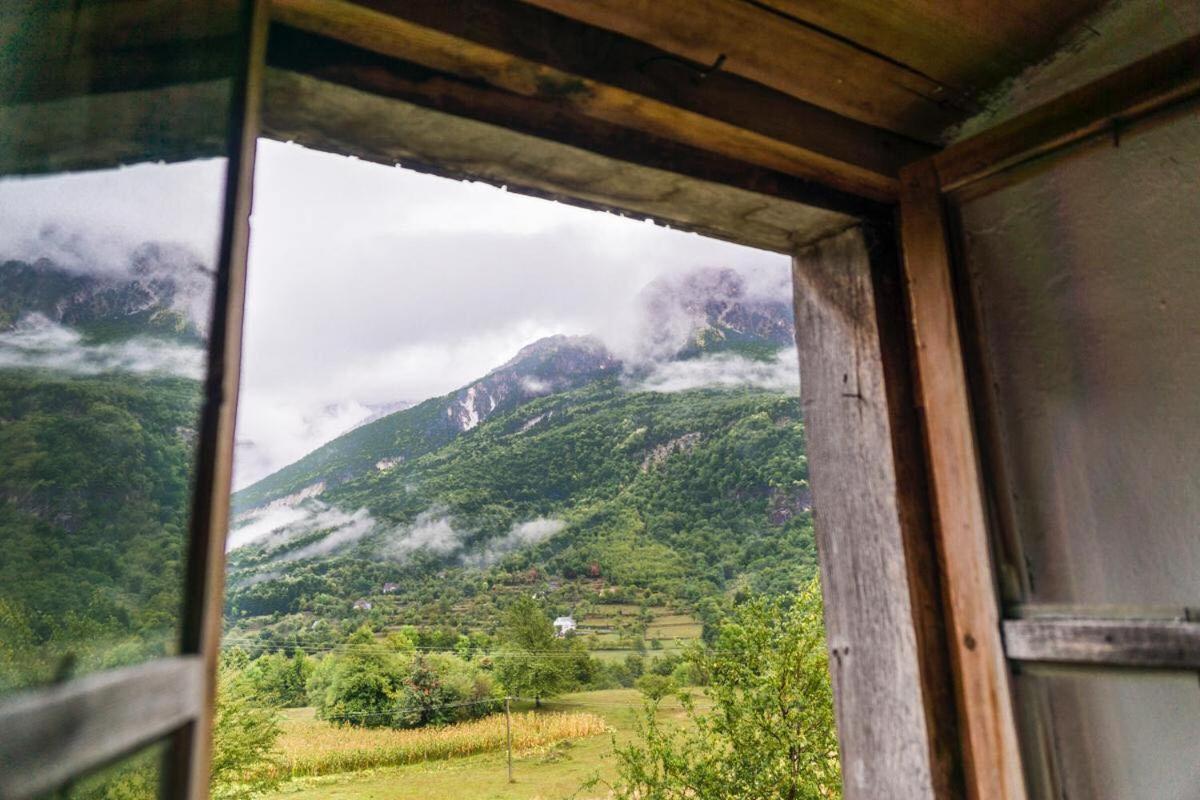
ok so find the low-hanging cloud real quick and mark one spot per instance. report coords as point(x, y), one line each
point(434, 531)
point(521, 535)
point(724, 371)
point(38, 342)
point(275, 526)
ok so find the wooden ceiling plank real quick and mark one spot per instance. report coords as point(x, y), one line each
point(969, 45)
point(389, 78)
point(341, 119)
point(1123, 97)
point(769, 49)
point(421, 42)
point(58, 30)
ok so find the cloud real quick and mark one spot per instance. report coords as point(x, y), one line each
point(368, 284)
point(275, 526)
point(433, 531)
point(724, 371)
point(91, 221)
point(521, 535)
point(37, 342)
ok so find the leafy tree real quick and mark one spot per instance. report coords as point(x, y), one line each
point(770, 732)
point(279, 680)
point(364, 684)
point(244, 736)
point(532, 661)
point(654, 686)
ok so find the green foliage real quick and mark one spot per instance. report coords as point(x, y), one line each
point(364, 684)
point(375, 683)
point(770, 732)
point(94, 490)
point(532, 661)
point(281, 681)
point(730, 511)
point(655, 687)
point(244, 735)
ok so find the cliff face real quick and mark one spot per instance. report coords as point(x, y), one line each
point(164, 290)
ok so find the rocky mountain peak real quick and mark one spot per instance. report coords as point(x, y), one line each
point(710, 308)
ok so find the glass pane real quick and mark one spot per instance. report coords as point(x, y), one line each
point(136, 777)
point(1110, 735)
point(106, 287)
point(1087, 283)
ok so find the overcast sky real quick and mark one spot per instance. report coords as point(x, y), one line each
point(368, 284)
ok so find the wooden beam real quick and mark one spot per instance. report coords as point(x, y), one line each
point(882, 616)
point(774, 51)
point(53, 735)
point(615, 79)
point(204, 610)
point(990, 745)
point(388, 77)
point(173, 123)
point(1159, 644)
point(1100, 108)
point(58, 49)
point(726, 201)
point(969, 46)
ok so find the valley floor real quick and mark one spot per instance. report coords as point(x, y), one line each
point(553, 772)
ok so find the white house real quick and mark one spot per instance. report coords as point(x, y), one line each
point(563, 626)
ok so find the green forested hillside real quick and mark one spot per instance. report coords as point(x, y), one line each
point(94, 491)
point(676, 497)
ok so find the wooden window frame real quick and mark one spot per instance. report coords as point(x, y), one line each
point(908, 533)
point(983, 642)
point(69, 730)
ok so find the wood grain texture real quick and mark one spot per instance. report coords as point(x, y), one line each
point(880, 693)
point(1155, 83)
point(58, 49)
point(776, 52)
point(48, 736)
point(174, 123)
point(1113, 642)
point(335, 118)
point(604, 76)
point(990, 747)
point(204, 609)
point(968, 46)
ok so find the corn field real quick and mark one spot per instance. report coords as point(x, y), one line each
point(311, 747)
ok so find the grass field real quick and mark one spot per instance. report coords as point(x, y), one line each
point(552, 771)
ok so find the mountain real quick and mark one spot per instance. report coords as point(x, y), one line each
point(99, 401)
point(562, 470)
point(703, 312)
point(554, 364)
point(163, 291)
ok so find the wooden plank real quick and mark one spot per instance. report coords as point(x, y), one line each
point(968, 46)
point(173, 123)
point(882, 659)
point(1112, 642)
point(349, 66)
point(1143, 88)
point(768, 49)
point(57, 49)
point(601, 75)
point(717, 198)
point(990, 746)
point(204, 608)
point(52, 735)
